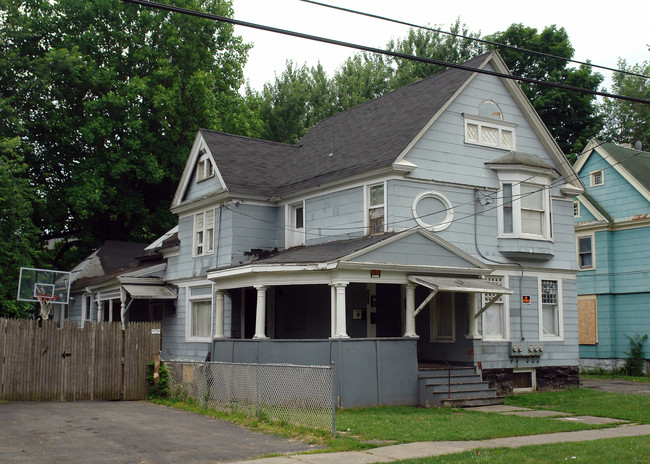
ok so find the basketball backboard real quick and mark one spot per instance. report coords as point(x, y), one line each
point(34, 282)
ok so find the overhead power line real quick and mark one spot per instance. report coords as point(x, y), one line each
point(301, 35)
point(476, 39)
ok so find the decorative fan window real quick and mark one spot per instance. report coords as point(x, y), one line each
point(488, 128)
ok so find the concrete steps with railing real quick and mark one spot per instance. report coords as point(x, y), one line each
point(455, 387)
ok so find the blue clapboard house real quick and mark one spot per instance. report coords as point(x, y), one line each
point(423, 235)
point(612, 226)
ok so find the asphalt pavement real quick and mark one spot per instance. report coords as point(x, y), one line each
point(117, 432)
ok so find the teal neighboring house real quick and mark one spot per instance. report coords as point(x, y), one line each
point(612, 228)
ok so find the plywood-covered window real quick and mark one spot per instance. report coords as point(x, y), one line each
point(587, 320)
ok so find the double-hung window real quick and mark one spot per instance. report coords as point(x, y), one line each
point(204, 232)
point(550, 307)
point(495, 319)
point(295, 234)
point(376, 209)
point(525, 210)
point(585, 252)
point(199, 317)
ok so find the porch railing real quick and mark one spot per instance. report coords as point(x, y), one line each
point(295, 394)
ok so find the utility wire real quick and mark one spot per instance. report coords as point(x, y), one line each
point(476, 39)
point(301, 35)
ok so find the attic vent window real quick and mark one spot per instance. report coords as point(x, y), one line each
point(204, 168)
point(597, 178)
point(487, 127)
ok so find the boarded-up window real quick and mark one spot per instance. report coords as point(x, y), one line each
point(587, 326)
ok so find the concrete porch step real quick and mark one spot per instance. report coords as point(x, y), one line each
point(455, 387)
point(469, 402)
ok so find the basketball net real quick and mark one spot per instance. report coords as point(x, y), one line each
point(47, 303)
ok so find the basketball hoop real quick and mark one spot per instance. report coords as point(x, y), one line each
point(47, 303)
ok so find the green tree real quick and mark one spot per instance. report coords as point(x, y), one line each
point(16, 228)
point(571, 117)
point(431, 44)
point(297, 100)
point(628, 121)
point(109, 97)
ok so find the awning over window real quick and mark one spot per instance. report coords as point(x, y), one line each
point(458, 284)
point(149, 292)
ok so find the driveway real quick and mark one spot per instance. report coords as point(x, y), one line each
point(617, 386)
point(125, 432)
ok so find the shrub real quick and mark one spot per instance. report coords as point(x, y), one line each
point(634, 360)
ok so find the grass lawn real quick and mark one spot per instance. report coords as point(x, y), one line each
point(631, 378)
point(620, 450)
point(583, 401)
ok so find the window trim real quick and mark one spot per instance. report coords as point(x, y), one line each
point(592, 251)
point(505, 310)
point(207, 233)
point(204, 167)
point(592, 178)
point(294, 236)
point(498, 124)
point(577, 208)
point(559, 310)
point(369, 207)
point(199, 298)
point(516, 208)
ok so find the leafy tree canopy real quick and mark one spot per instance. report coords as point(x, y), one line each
point(629, 122)
point(106, 98)
point(571, 117)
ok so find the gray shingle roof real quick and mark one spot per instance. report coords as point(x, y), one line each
point(636, 162)
point(367, 137)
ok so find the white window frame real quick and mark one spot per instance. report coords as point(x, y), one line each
point(592, 251)
point(502, 304)
point(593, 176)
point(204, 167)
point(484, 124)
point(190, 301)
point(295, 236)
point(203, 233)
point(370, 208)
point(558, 311)
point(516, 181)
point(576, 209)
point(86, 308)
point(434, 309)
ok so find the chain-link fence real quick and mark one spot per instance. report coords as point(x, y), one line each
point(299, 395)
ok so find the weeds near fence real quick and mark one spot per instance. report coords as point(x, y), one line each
point(271, 393)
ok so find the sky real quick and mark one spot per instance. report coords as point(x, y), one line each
point(599, 31)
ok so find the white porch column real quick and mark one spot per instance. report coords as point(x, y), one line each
point(409, 323)
point(341, 330)
point(99, 308)
point(472, 329)
point(260, 315)
point(122, 307)
point(218, 316)
point(333, 311)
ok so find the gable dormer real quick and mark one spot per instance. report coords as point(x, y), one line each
point(201, 177)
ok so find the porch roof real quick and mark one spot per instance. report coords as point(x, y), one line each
point(149, 292)
point(459, 284)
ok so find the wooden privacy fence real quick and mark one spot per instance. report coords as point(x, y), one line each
point(99, 362)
